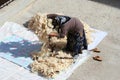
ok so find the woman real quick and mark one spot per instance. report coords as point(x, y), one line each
point(73, 28)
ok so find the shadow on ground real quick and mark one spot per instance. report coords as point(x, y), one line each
point(114, 3)
point(19, 49)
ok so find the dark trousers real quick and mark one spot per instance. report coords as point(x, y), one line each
point(75, 43)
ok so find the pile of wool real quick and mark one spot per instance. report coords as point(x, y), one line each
point(41, 26)
point(45, 62)
point(50, 66)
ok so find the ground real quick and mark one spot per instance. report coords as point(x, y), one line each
point(100, 14)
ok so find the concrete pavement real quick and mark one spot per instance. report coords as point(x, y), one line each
point(97, 14)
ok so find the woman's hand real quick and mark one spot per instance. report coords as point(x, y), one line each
point(53, 34)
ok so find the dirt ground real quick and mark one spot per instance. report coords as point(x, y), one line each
point(100, 14)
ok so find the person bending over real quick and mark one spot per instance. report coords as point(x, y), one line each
point(73, 29)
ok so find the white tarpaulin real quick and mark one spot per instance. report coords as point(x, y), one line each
point(16, 42)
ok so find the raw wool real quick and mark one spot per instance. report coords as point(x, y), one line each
point(41, 26)
point(51, 65)
point(48, 63)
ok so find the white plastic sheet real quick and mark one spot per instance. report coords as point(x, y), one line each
point(13, 32)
